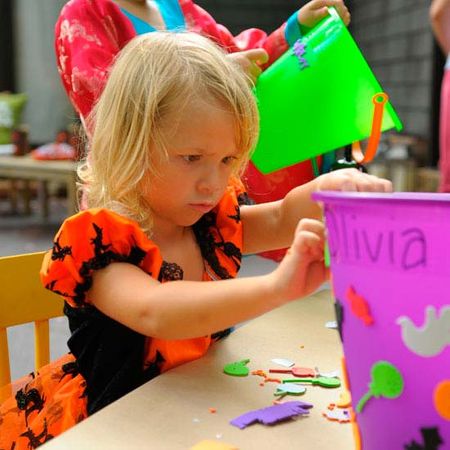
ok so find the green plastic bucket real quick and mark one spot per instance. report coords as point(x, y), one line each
point(318, 102)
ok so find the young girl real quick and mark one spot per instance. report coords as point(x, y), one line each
point(172, 130)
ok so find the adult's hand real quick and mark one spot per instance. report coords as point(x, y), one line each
point(250, 61)
point(316, 10)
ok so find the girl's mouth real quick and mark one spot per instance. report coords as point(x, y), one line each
point(202, 207)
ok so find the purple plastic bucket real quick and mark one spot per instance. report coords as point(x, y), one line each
point(390, 264)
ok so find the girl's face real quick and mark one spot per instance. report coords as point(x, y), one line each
point(202, 153)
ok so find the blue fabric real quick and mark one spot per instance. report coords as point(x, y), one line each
point(292, 31)
point(328, 159)
point(170, 11)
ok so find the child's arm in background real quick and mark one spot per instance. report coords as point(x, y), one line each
point(275, 44)
point(187, 309)
point(309, 15)
point(316, 10)
point(440, 22)
point(269, 226)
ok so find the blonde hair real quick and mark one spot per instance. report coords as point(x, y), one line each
point(155, 76)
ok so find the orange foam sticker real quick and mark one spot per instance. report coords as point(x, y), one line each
point(441, 399)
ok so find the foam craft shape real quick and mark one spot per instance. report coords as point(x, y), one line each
point(308, 111)
point(289, 389)
point(237, 368)
point(272, 414)
point(319, 381)
point(395, 252)
point(296, 371)
point(386, 382)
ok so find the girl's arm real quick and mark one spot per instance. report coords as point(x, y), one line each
point(269, 226)
point(440, 22)
point(187, 309)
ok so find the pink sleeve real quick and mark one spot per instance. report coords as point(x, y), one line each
point(88, 35)
point(198, 20)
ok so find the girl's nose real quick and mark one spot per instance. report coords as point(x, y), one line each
point(209, 183)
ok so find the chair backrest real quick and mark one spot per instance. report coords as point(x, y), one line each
point(23, 299)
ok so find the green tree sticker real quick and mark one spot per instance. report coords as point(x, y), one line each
point(387, 381)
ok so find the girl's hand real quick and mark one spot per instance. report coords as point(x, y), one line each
point(352, 180)
point(302, 270)
point(250, 61)
point(316, 10)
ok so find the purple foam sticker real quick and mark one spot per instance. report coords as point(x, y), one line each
point(299, 49)
point(272, 414)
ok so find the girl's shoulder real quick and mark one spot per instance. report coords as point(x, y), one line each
point(89, 241)
point(84, 223)
point(102, 214)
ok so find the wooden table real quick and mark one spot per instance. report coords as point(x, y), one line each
point(26, 168)
point(172, 411)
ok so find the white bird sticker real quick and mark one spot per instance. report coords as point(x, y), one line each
point(432, 337)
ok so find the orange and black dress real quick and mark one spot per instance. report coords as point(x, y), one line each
point(107, 360)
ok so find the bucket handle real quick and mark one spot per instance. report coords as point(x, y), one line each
point(379, 100)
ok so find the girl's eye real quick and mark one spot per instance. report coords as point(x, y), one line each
point(190, 158)
point(229, 160)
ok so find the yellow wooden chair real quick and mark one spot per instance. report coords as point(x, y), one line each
point(23, 299)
